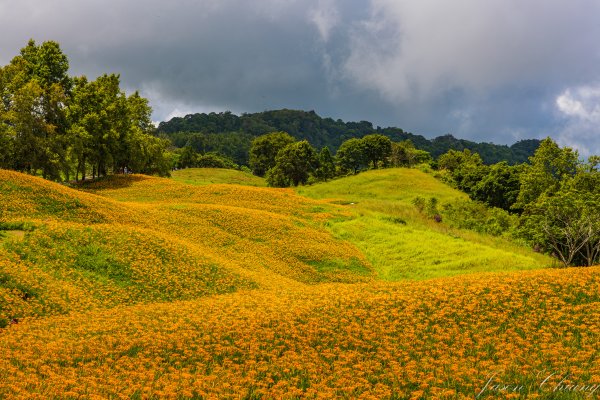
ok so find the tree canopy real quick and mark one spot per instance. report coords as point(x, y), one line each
point(59, 126)
point(264, 150)
point(293, 165)
point(548, 167)
point(352, 156)
point(566, 224)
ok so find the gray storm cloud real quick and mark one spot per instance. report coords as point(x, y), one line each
point(498, 70)
point(428, 46)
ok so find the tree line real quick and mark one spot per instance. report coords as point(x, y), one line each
point(554, 198)
point(551, 203)
point(285, 161)
point(63, 127)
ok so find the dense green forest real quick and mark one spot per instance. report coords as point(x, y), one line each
point(231, 135)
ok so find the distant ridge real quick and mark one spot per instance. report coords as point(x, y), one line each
point(322, 132)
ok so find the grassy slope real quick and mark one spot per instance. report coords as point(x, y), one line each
point(208, 176)
point(401, 243)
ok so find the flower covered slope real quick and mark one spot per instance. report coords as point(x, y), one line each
point(139, 287)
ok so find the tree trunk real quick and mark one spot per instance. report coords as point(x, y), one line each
point(592, 250)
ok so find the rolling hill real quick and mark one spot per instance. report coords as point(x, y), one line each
point(400, 242)
point(140, 287)
point(150, 239)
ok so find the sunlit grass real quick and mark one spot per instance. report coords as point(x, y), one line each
point(208, 176)
point(412, 251)
point(400, 242)
point(394, 184)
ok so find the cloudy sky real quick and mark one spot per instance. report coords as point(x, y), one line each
point(485, 70)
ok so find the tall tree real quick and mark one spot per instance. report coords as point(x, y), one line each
point(453, 160)
point(134, 125)
point(47, 64)
point(35, 88)
point(326, 169)
point(6, 147)
point(7, 132)
point(499, 187)
point(549, 166)
point(294, 164)
point(465, 168)
point(351, 156)
point(264, 149)
point(31, 130)
point(378, 149)
point(188, 157)
point(404, 154)
point(565, 224)
point(149, 155)
point(99, 116)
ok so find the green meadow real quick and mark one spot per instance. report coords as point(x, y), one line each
point(400, 242)
point(208, 176)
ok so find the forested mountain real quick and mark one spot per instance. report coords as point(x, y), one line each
point(320, 132)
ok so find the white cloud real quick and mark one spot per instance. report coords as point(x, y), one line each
point(570, 106)
point(326, 17)
point(179, 113)
point(185, 109)
point(582, 103)
point(580, 109)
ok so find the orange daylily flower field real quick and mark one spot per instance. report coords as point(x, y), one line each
point(140, 287)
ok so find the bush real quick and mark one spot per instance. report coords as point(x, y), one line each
point(276, 177)
point(419, 202)
point(214, 160)
point(430, 207)
point(478, 217)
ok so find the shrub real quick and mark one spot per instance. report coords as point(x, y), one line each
point(419, 202)
point(213, 160)
point(478, 217)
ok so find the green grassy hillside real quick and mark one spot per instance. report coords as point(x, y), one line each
point(399, 241)
point(208, 176)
